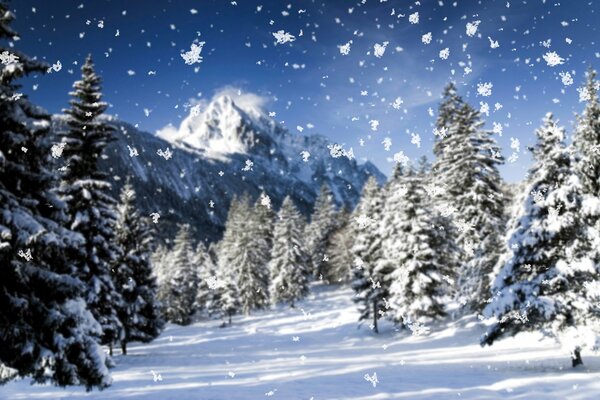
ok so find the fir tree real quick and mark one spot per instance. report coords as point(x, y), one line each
point(318, 232)
point(366, 251)
point(546, 273)
point(179, 290)
point(46, 330)
point(289, 261)
point(339, 250)
point(467, 169)
point(140, 311)
point(422, 251)
point(205, 271)
point(86, 191)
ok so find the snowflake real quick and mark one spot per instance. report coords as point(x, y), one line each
point(193, 56)
point(515, 144)
point(283, 37)
point(156, 376)
point(463, 226)
point(417, 328)
point(8, 58)
point(484, 108)
point(195, 110)
point(441, 133)
point(374, 124)
point(445, 53)
point(397, 103)
point(57, 149)
point(415, 139)
point(132, 151)
point(335, 150)
point(248, 166)
point(426, 38)
point(401, 158)
point(379, 49)
point(414, 18)
point(553, 59)
point(484, 89)
point(265, 200)
point(26, 255)
point(472, 28)
point(372, 379)
point(387, 143)
point(493, 43)
point(584, 94)
point(566, 78)
point(497, 128)
point(155, 216)
point(166, 154)
point(345, 49)
point(55, 67)
point(305, 155)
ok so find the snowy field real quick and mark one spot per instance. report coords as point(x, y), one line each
point(316, 351)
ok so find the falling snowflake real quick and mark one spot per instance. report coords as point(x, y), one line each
point(387, 143)
point(472, 28)
point(345, 49)
point(379, 49)
point(132, 151)
point(248, 166)
point(426, 38)
point(305, 155)
point(414, 18)
point(553, 59)
point(166, 154)
point(401, 158)
point(372, 379)
point(193, 56)
point(214, 283)
point(497, 128)
point(566, 78)
point(363, 221)
point(415, 139)
point(155, 217)
point(283, 37)
point(484, 89)
point(57, 149)
point(445, 53)
point(8, 58)
point(397, 103)
point(374, 124)
point(584, 94)
point(515, 144)
point(26, 255)
point(493, 43)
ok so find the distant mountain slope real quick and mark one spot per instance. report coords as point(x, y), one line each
point(221, 152)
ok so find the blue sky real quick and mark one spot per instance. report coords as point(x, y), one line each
point(338, 94)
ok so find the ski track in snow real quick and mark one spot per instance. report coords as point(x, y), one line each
point(265, 354)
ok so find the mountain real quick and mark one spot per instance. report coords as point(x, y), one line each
point(190, 174)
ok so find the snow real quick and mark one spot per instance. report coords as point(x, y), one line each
point(316, 350)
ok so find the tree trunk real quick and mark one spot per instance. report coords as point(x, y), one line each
point(229, 319)
point(375, 329)
point(576, 357)
point(110, 352)
point(124, 347)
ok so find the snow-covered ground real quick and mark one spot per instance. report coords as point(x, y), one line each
point(316, 351)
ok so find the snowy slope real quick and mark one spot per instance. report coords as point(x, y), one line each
point(210, 151)
point(258, 357)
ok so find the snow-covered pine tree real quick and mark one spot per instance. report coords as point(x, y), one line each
point(546, 271)
point(86, 191)
point(587, 139)
point(289, 262)
point(140, 311)
point(366, 251)
point(205, 269)
point(447, 111)
point(46, 330)
point(245, 254)
point(159, 261)
point(422, 253)
point(467, 169)
point(339, 250)
point(320, 228)
point(179, 290)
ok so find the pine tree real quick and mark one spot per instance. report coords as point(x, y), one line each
point(245, 253)
point(289, 261)
point(339, 250)
point(547, 275)
point(467, 169)
point(367, 252)
point(86, 191)
point(46, 331)
point(179, 290)
point(587, 139)
point(140, 312)
point(422, 252)
point(159, 261)
point(318, 232)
